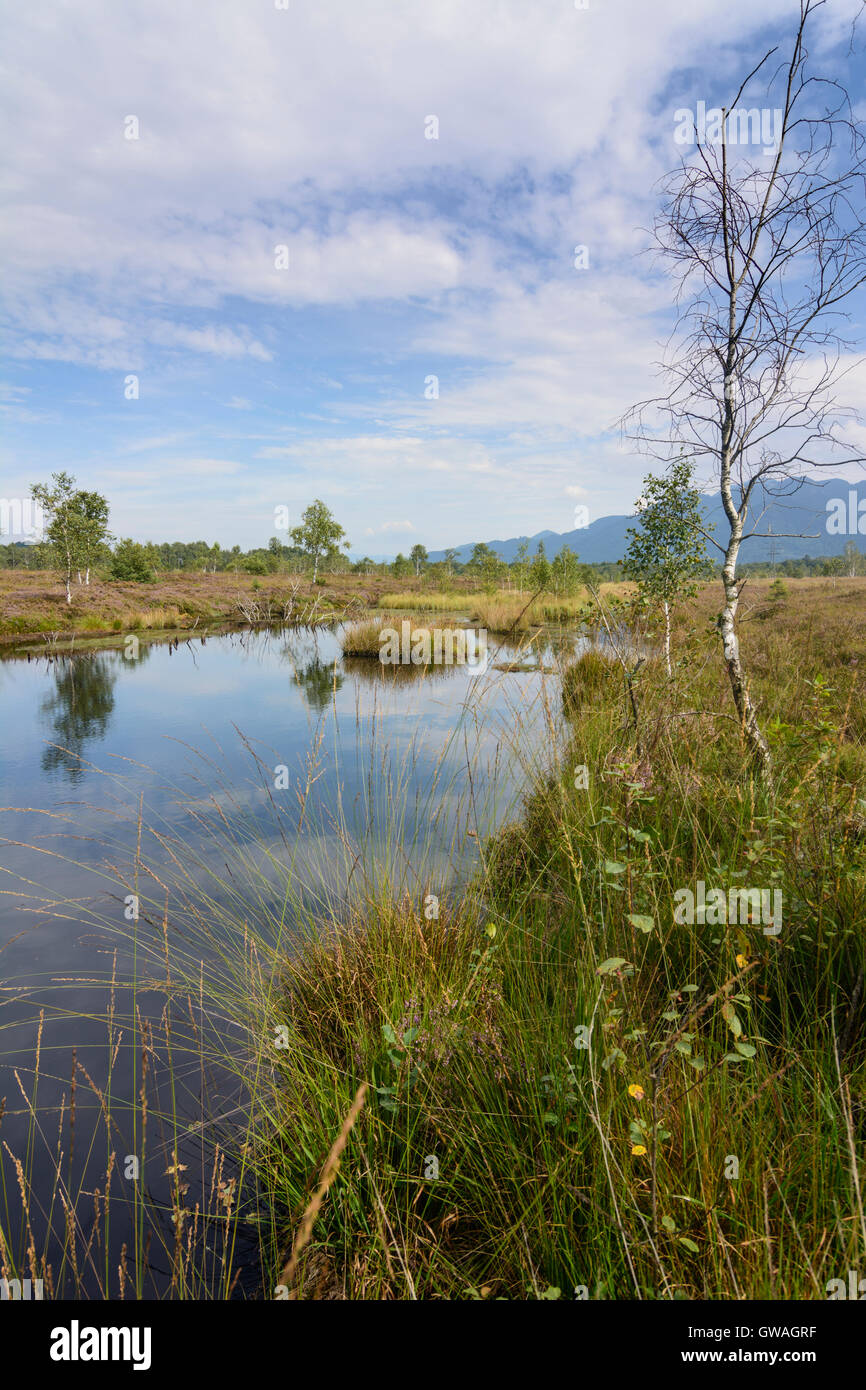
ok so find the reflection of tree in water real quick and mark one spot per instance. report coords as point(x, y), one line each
point(373, 672)
point(79, 708)
point(317, 681)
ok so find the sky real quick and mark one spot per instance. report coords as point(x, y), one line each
point(257, 252)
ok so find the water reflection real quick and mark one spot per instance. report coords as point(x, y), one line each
point(173, 757)
point(369, 671)
point(78, 710)
point(318, 681)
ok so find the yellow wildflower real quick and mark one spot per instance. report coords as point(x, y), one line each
point(638, 1149)
point(637, 1092)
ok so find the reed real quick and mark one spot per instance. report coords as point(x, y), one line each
point(567, 1089)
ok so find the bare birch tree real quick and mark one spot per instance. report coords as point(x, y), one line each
point(766, 245)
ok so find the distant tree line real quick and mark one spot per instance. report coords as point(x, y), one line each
point(851, 562)
point(77, 542)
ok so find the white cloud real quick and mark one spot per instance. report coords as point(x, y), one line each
point(218, 340)
point(453, 257)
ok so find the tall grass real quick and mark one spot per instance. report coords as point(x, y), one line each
point(508, 612)
point(503, 611)
point(567, 1090)
point(429, 601)
point(364, 638)
point(707, 1142)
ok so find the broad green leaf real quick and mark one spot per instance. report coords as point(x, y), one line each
point(612, 963)
point(642, 923)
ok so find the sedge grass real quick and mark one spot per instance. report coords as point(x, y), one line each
point(567, 1090)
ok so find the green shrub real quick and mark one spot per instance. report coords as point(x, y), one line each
point(586, 677)
point(129, 562)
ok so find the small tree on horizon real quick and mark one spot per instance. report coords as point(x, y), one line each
point(91, 509)
point(539, 570)
point(76, 523)
point(667, 556)
point(130, 562)
point(319, 535)
point(565, 573)
point(520, 565)
point(400, 566)
point(852, 559)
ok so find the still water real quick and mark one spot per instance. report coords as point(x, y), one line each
point(254, 775)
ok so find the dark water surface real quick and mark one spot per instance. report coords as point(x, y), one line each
point(273, 761)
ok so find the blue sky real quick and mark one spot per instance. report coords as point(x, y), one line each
point(409, 257)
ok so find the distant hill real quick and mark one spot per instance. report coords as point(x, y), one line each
point(803, 511)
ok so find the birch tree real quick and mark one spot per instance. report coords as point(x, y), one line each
point(318, 534)
point(91, 509)
point(63, 523)
point(766, 245)
point(666, 555)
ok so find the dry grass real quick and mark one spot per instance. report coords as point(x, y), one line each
point(606, 1167)
point(364, 639)
point(430, 601)
point(34, 603)
point(509, 612)
point(559, 1165)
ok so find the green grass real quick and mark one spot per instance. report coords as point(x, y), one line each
point(509, 612)
point(743, 1046)
point(429, 601)
point(363, 639)
point(494, 1155)
point(501, 611)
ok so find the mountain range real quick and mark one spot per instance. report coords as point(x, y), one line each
point(823, 517)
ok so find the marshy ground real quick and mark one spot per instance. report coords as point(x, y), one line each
point(541, 1082)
